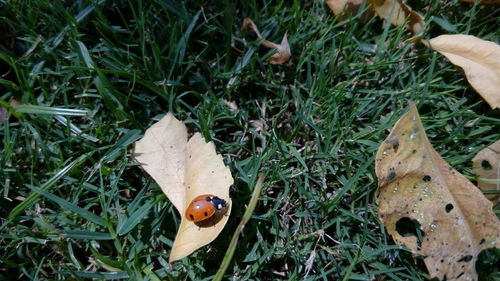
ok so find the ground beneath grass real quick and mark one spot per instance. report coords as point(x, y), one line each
point(91, 76)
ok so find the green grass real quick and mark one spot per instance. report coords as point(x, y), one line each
point(93, 75)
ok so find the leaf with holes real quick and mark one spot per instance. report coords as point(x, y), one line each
point(486, 164)
point(417, 185)
point(184, 170)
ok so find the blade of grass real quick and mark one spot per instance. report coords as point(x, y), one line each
point(234, 241)
point(134, 219)
point(65, 205)
point(40, 109)
point(87, 235)
point(28, 202)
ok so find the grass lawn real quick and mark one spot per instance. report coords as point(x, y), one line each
point(91, 76)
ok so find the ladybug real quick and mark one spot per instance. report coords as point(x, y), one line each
point(204, 207)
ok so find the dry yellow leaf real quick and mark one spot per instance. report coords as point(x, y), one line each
point(486, 164)
point(416, 184)
point(480, 60)
point(283, 53)
point(185, 170)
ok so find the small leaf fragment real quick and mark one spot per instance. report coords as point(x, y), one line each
point(184, 170)
point(339, 7)
point(395, 11)
point(416, 184)
point(486, 164)
point(283, 53)
point(480, 60)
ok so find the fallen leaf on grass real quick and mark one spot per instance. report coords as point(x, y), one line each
point(184, 170)
point(283, 53)
point(480, 60)
point(395, 11)
point(416, 184)
point(486, 164)
point(339, 7)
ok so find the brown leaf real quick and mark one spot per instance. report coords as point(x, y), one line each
point(185, 170)
point(480, 60)
point(283, 53)
point(339, 7)
point(486, 164)
point(397, 12)
point(416, 184)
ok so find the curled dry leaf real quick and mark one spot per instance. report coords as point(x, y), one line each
point(416, 184)
point(480, 60)
point(486, 164)
point(395, 11)
point(339, 7)
point(283, 53)
point(184, 170)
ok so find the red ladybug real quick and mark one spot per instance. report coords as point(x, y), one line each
point(204, 207)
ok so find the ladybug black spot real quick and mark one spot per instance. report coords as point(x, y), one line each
point(191, 216)
point(206, 214)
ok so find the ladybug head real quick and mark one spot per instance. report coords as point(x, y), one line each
point(218, 203)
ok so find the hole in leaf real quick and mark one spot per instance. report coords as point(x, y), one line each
point(487, 264)
point(427, 178)
point(485, 164)
point(409, 227)
point(394, 142)
point(391, 176)
point(467, 258)
point(448, 207)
